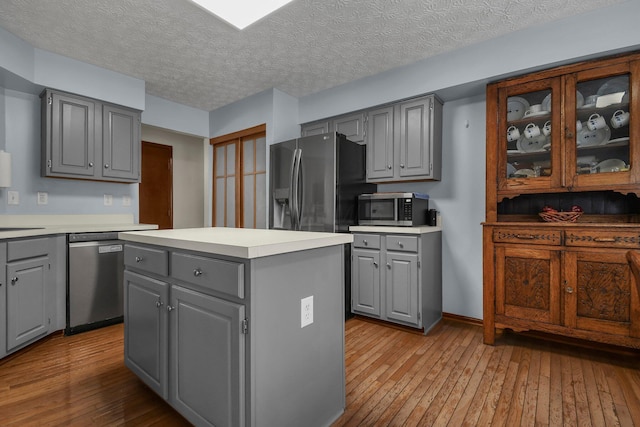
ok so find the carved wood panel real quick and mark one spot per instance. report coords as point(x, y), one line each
point(527, 282)
point(603, 291)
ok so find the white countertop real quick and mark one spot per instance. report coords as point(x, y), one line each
point(43, 225)
point(395, 230)
point(238, 242)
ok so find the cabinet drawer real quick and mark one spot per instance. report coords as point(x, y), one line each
point(216, 274)
point(146, 259)
point(603, 238)
point(369, 241)
point(531, 237)
point(31, 248)
point(402, 243)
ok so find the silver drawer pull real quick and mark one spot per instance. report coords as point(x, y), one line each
point(169, 308)
point(14, 280)
point(197, 272)
point(365, 242)
point(400, 244)
point(139, 259)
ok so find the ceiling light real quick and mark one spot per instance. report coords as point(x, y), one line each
point(241, 13)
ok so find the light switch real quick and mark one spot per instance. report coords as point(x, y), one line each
point(108, 200)
point(126, 200)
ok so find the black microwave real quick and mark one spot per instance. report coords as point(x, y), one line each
point(393, 209)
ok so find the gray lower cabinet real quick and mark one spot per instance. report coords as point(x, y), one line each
point(220, 338)
point(27, 292)
point(398, 278)
point(84, 138)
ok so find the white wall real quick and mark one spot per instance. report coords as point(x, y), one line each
point(188, 174)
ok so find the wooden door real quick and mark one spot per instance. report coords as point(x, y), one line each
point(156, 186)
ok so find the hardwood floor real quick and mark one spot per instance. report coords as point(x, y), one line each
point(395, 377)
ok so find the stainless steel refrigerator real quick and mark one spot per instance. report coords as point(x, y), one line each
point(314, 186)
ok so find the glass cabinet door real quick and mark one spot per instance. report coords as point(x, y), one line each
point(601, 151)
point(528, 128)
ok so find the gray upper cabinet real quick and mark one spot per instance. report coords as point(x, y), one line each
point(316, 128)
point(83, 138)
point(350, 125)
point(120, 143)
point(380, 152)
point(404, 139)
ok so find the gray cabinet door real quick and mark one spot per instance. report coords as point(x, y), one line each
point(365, 283)
point(26, 301)
point(416, 151)
point(351, 126)
point(317, 128)
point(71, 135)
point(3, 300)
point(146, 330)
point(120, 143)
point(380, 162)
point(207, 358)
point(402, 287)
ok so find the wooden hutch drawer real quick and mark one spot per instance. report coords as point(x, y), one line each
point(603, 238)
point(531, 236)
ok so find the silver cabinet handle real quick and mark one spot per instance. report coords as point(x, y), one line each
point(14, 280)
point(400, 244)
point(402, 165)
point(169, 308)
point(365, 242)
point(569, 290)
point(139, 259)
point(389, 266)
point(197, 272)
point(375, 264)
point(90, 164)
point(106, 165)
point(159, 303)
point(388, 166)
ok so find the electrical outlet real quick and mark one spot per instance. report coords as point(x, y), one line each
point(126, 200)
point(13, 198)
point(306, 311)
point(43, 198)
point(108, 200)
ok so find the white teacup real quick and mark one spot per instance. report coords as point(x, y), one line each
point(620, 118)
point(533, 109)
point(546, 129)
point(513, 134)
point(596, 121)
point(578, 126)
point(531, 131)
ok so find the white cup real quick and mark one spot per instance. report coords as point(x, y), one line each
point(513, 134)
point(533, 109)
point(578, 126)
point(546, 129)
point(531, 131)
point(591, 100)
point(620, 118)
point(596, 121)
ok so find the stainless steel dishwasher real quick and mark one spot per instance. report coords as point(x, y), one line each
point(94, 285)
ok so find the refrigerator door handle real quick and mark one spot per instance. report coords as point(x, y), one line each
point(292, 192)
point(300, 189)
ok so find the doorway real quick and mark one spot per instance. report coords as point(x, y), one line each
point(156, 186)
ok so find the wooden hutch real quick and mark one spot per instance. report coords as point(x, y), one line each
point(546, 147)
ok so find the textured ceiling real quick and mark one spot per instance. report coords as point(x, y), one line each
point(191, 57)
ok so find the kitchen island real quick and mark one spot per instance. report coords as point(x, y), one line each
point(238, 327)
